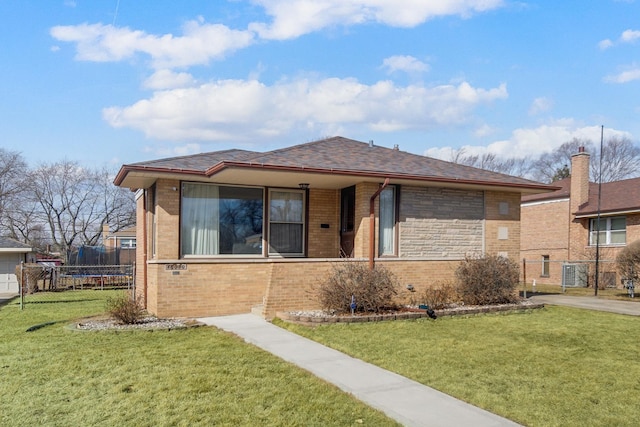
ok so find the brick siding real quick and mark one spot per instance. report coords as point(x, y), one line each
point(217, 286)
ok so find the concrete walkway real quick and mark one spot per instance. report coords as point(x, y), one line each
point(406, 401)
point(590, 303)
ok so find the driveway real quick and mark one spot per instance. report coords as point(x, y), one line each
point(6, 297)
point(630, 308)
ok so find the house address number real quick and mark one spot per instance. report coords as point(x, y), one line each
point(174, 267)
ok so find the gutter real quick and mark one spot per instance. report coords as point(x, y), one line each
point(372, 224)
point(219, 167)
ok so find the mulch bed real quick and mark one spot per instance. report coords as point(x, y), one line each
point(316, 317)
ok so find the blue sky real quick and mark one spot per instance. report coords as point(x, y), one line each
point(107, 82)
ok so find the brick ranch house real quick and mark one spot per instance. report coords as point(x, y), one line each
point(561, 226)
point(230, 231)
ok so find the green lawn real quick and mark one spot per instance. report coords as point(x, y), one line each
point(551, 367)
point(200, 376)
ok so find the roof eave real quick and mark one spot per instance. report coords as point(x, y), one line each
point(533, 188)
point(609, 212)
point(126, 169)
point(219, 167)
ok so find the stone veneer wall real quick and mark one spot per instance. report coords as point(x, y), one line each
point(440, 223)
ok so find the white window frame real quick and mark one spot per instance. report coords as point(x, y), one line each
point(387, 244)
point(128, 242)
point(302, 221)
point(606, 232)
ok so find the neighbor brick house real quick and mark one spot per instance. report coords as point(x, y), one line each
point(122, 242)
point(559, 228)
point(225, 232)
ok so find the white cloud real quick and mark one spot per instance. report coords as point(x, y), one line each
point(605, 44)
point(404, 63)
point(540, 105)
point(167, 79)
point(174, 150)
point(484, 130)
point(627, 36)
point(199, 43)
point(293, 18)
point(233, 110)
point(531, 142)
point(624, 76)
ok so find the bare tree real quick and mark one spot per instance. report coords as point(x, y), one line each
point(23, 223)
point(13, 169)
point(546, 167)
point(73, 203)
point(620, 160)
point(491, 162)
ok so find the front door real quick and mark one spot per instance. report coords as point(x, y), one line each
point(347, 221)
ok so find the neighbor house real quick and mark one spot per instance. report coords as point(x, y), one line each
point(559, 229)
point(12, 253)
point(122, 242)
point(231, 231)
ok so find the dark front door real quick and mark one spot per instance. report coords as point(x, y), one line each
point(347, 221)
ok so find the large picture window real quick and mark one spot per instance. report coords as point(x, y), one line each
point(218, 220)
point(387, 233)
point(286, 222)
point(613, 231)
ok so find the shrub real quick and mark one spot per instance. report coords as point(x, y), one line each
point(125, 308)
point(440, 296)
point(488, 279)
point(373, 290)
point(628, 261)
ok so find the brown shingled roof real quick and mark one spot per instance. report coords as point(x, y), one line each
point(561, 193)
point(337, 156)
point(196, 162)
point(617, 196)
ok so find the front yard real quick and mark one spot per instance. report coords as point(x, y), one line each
point(199, 376)
point(550, 367)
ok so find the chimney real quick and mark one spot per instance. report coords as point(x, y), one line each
point(579, 179)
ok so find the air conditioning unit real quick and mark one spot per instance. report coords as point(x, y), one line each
point(575, 275)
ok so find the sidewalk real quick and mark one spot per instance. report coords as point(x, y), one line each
point(590, 303)
point(406, 401)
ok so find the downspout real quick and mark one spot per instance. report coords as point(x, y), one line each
point(145, 244)
point(372, 224)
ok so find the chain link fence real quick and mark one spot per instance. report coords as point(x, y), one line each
point(39, 282)
point(572, 273)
